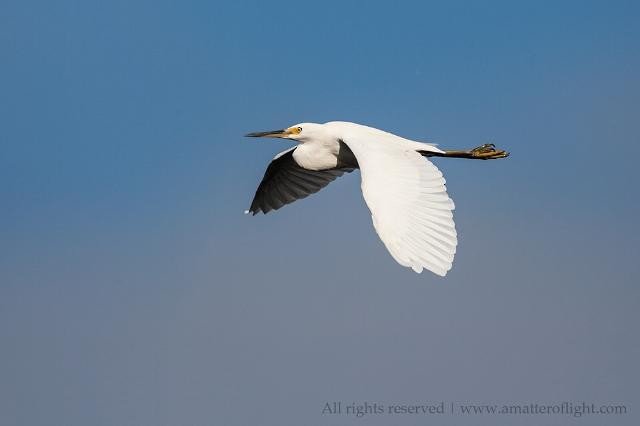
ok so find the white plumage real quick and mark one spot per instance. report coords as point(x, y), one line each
point(406, 193)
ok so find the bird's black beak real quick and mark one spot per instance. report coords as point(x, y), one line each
point(271, 134)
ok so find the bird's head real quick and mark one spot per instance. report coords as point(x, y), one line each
point(300, 132)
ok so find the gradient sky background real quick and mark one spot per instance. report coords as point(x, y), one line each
point(134, 292)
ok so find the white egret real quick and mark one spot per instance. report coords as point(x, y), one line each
point(406, 193)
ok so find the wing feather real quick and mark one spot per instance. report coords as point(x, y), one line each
point(410, 208)
point(285, 181)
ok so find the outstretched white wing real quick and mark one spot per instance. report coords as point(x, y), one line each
point(410, 207)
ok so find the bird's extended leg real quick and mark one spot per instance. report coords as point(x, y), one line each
point(487, 151)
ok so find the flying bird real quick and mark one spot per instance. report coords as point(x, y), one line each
point(406, 193)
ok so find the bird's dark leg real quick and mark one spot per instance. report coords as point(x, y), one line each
point(487, 151)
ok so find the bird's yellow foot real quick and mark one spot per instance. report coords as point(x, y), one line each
point(488, 151)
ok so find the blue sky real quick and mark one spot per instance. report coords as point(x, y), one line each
point(134, 291)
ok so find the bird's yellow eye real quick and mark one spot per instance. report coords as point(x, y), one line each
point(299, 129)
